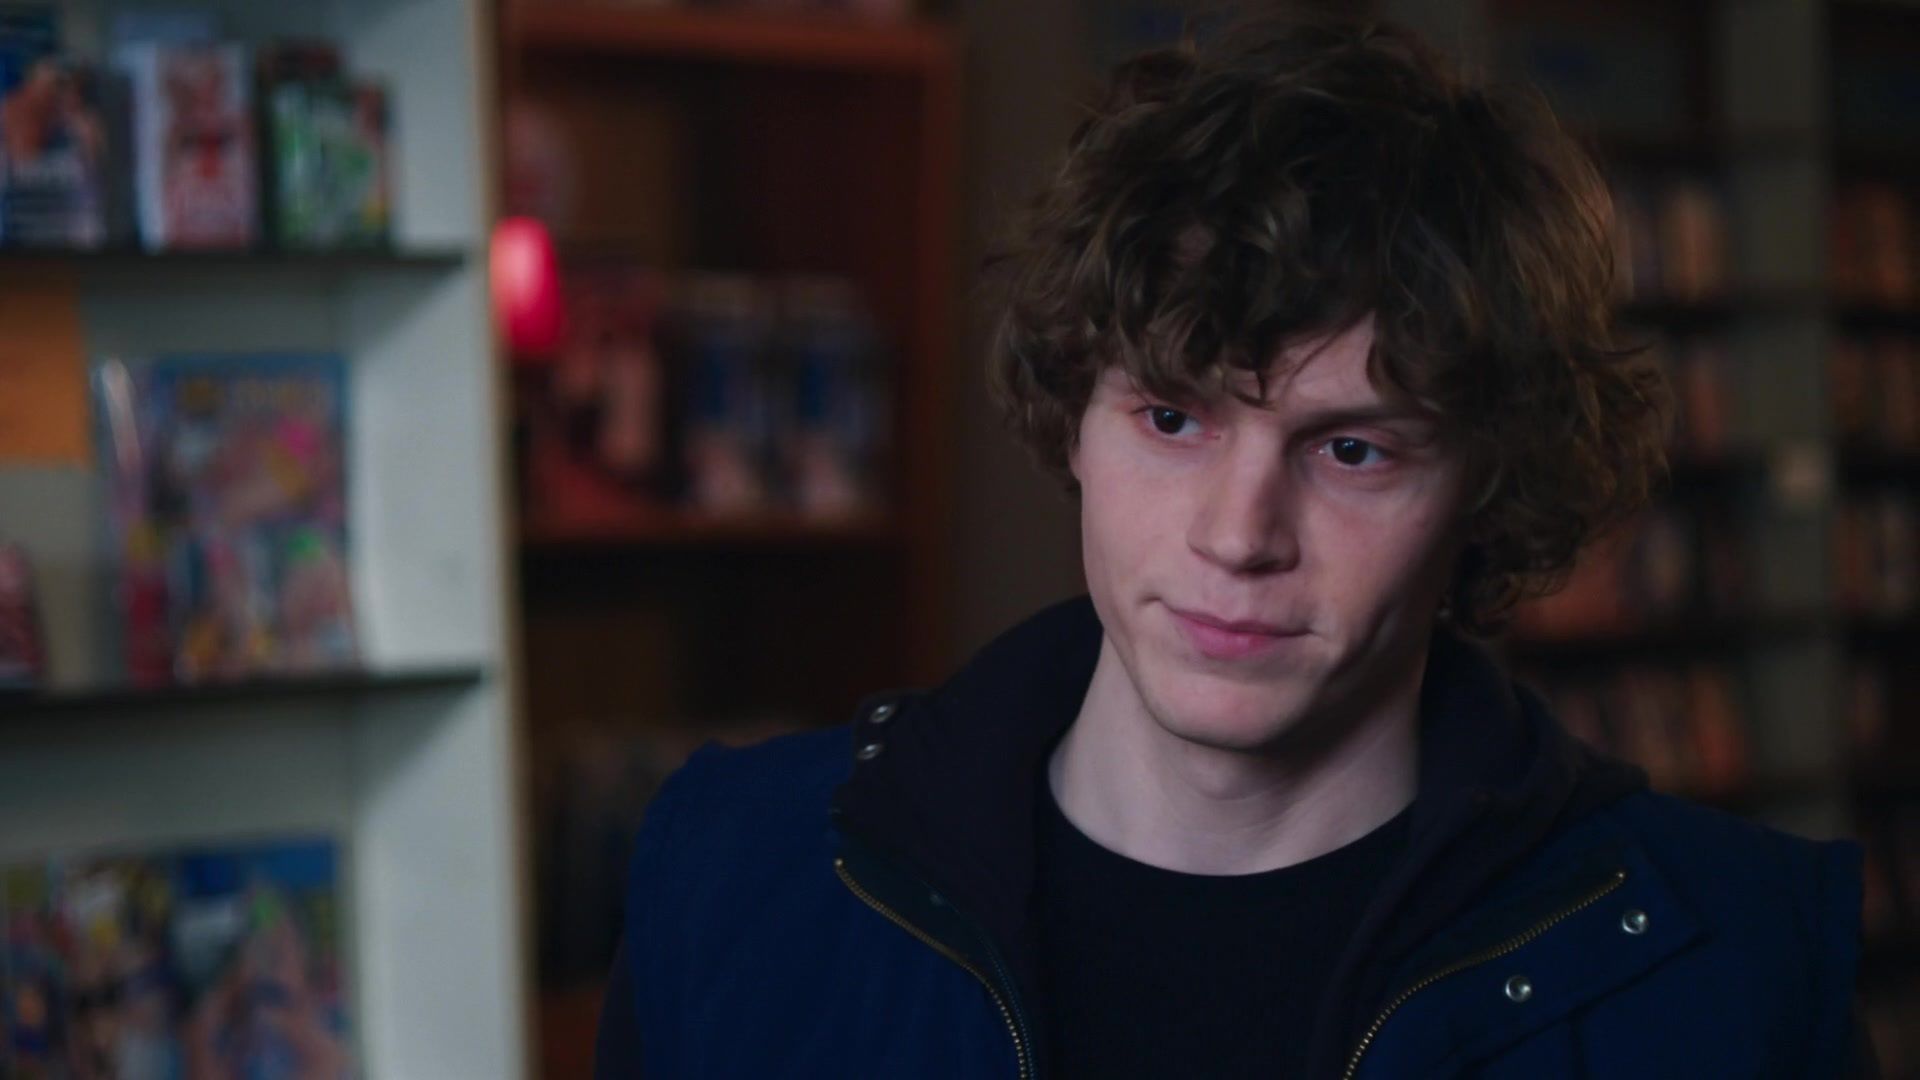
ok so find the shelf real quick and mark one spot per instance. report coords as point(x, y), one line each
point(1877, 315)
point(80, 701)
point(1732, 468)
point(1877, 161)
point(1755, 792)
point(668, 529)
point(340, 261)
point(1882, 631)
point(1683, 639)
point(819, 42)
point(1881, 783)
point(1878, 465)
point(1706, 312)
point(1699, 150)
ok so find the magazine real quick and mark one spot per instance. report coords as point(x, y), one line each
point(202, 964)
point(226, 495)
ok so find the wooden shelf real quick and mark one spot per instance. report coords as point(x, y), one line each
point(1877, 315)
point(1732, 468)
point(1705, 312)
point(673, 529)
point(1682, 639)
point(1755, 792)
point(65, 701)
point(1882, 631)
point(1698, 150)
point(1864, 464)
point(748, 38)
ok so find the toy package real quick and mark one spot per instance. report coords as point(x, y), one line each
point(196, 170)
point(326, 151)
point(55, 157)
point(207, 964)
point(226, 487)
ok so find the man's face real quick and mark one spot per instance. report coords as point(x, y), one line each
point(1328, 517)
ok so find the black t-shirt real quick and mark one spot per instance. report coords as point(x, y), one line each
point(1155, 973)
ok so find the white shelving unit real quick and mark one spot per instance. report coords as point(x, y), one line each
point(412, 767)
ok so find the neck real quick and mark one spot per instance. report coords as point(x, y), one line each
point(1140, 790)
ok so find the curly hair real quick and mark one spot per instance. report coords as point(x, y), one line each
point(1303, 173)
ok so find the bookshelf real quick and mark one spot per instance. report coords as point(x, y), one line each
point(764, 144)
point(409, 762)
point(1775, 108)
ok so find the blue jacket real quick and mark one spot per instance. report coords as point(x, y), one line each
point(853, 902)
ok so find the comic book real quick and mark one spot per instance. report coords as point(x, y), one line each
point(212, 964)
point(195, 161)
point(227, 514)
point(257, 948)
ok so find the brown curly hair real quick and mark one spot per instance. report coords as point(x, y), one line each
point(1302, 173)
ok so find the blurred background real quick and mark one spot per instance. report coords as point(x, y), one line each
point(423, 422)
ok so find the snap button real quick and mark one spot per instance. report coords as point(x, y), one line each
point(868, 752)
point(1519, 988)
point(1634, 921)
point(882, 714)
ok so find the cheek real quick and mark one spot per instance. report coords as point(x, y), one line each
point(1381, 548)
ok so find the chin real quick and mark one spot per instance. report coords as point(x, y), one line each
point(1227, 714)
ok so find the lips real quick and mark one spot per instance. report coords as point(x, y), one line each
point(1231, 639)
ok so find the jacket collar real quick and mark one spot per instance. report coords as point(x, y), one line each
point(949, 796)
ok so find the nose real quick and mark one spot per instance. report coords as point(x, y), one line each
point(1245, 518)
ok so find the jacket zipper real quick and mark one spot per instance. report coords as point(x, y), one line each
point(1494, 953)
point(1000, 1000)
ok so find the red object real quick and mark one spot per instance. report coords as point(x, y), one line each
point(526, 288)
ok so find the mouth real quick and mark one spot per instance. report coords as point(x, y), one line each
point(1230, 639)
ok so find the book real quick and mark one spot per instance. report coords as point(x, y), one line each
point(213, 962)
point(196, 166)
point(226, 482)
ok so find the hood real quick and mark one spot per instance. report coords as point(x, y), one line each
point(951, 797)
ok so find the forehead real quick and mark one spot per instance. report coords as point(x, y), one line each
point(1324, 369)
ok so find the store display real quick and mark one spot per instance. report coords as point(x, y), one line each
point(325, 139)
point(227, 496)
point(56, 157)
point(720, 393)
point(207, 963)
point(196, 164)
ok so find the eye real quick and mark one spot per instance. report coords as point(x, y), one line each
point(1351, 451)
point(1165, 420)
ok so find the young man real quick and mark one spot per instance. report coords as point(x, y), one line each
point(1317, 332)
